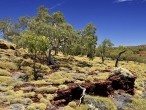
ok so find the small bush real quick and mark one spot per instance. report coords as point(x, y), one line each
point(27, 101)
point(8, 65)
point(46, 89)
point(83, 107)
point(40, 96)
point(43, 100)
point(62, 86)
point(90, 78)
point(50, 96)
point(72, 104)
point(101, 103)
point(28, 70)
point(137, 104)
point(39, 82)
point(4, 72)
point(5, 88)
point(37, 106)
point(68, 108)
point(30, 94)
point(6, 80)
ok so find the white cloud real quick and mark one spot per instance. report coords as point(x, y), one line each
point(119, 1)
point(57, 5)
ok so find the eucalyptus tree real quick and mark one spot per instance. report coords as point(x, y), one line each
point(54, 27)
point(35, 44)
point(7, 28)
point(103, 47)
point(60, 34)
point(89, 40)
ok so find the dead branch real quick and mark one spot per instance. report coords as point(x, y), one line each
point(119, 55)
point(83, 95)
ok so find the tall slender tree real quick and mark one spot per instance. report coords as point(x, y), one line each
point(103, 47)
point(89, 40)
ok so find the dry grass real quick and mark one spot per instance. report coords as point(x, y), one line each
point(8, 65)
point(4, 72)
point(72, 69)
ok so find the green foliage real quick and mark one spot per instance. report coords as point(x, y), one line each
point(62, 86)
point(72, 104)
point(30, 94)
point(89, 40)
point(4, 72)
point(83, 107)
point(6, 80)
point(46, 89)
point(101, 102)
point(68, 108)
point(137, 104)
point(8, 65)
point(60, 78)
point(36, 44)
point(45, 101)
point(33, 42)
point(50, 97)
point(35, 106)
point(45, 30)
point(104, 48)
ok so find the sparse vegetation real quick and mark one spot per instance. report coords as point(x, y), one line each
point(137, 104)
point(50, 62)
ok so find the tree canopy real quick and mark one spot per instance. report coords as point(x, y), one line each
point(53, 28)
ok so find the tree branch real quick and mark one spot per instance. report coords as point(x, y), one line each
point(119, 55)
point(83, 95)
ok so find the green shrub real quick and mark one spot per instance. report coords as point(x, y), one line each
point(62, 86)
point(37, 106)
point(6, 80)
point(8, 65)
point(40, 96)
point(4, 72)
point(90, 78)
point(5, 88)
point(27, 62)
point(50, 96)
point(101, 102)
point(72, 104)
point(68, 108)
point(30, 94)
point(27, 101)
point(39, 82)
point(47, 89)
point(83, 107)
point(45, 101)
point(137, 104)
point(28, 70)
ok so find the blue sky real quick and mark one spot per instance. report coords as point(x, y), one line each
point(122, 21)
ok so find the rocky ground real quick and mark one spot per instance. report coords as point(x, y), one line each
point(76, 84)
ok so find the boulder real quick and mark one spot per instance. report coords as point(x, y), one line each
point(122, 100)
point(6, 45)
point(123, 79)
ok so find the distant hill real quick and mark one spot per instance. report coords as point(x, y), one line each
point(138, 53)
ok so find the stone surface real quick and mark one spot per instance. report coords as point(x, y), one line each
point(122, 100)
point(16, 107)
point(93, 104)
point(121, 81)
